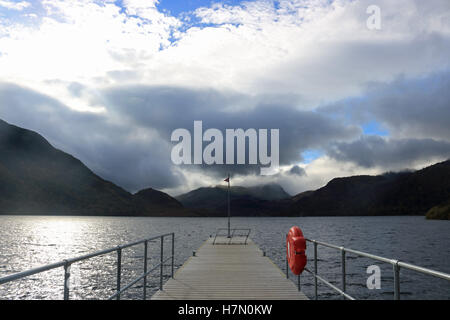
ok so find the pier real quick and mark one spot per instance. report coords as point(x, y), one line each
point(229, 270)
point(223, 268)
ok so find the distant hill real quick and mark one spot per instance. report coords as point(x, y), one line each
point(439, 212)
point(36, 178)
point(243, 200)
point(151, 202)
point(404, 193)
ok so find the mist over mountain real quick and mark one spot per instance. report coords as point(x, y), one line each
point(403, 193)
point(392, 193)
point(244, 201)
point(36, 178)
point(207, 197)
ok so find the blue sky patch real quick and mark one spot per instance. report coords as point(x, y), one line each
point(374, 128)
point(311, 155)
point(176, 7)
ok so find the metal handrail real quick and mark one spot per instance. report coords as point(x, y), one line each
point(232, 234)
point(396, 265)
point(145, 274)
point(331, 286)
point(68, 262)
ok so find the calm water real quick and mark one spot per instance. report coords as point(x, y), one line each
point(28, 242)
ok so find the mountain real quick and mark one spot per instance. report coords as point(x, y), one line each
point(36, 178)
point(207, 197)
point(404, 193)
point(151, 202)
point(270, 192)
point(244, 201)
point(439, 212)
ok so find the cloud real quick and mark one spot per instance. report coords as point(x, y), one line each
point(13, 5)
point(317, 51)
point(161, 108)
point(134, 158)
point(296, 170)
point(319, 173)
point(414, 108)
point(371, 151)
point(108, 82)
point(321, 50)
point(407, 108)
point(130, 143)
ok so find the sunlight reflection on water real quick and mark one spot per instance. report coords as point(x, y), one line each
point(28, 242)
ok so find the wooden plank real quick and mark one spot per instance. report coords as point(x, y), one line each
point(229, 272)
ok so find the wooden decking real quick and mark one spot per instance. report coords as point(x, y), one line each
point(229, 272)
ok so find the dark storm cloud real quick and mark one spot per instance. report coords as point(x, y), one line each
point(415, 112)
point(407, 108)
point(414, 108)
point(112, 150)
point(167, 108)
point(130, 143)
point(372, 151)
point(297, 171)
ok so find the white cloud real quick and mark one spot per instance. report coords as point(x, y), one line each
point(19, 6)
point(141, 8)
point(318, 173)
point(322, 52)
point(79, 41)
point(315, 50)
point(306, 52)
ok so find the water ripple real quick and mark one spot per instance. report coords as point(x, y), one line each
point(28, 242)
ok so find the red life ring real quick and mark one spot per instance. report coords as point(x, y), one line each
point(295, 250)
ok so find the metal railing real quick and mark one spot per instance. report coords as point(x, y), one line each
point(233, 234)
point(396, 265)
point(66, 264)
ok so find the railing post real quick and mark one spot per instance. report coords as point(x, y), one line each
point(315, 269)
point(396, 280)
point(66, 280)
point(287, 269)
point(145, 269)
point(344, 285)
point(119, 270)
point(287, 263)
point(161, 269)
point(173, 251)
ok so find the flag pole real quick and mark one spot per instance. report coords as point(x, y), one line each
point(229, 236)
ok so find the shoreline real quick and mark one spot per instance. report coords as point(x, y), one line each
point(224, 216)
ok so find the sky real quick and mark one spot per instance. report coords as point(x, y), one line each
point(108, 81)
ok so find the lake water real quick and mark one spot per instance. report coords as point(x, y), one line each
point(27, 242)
